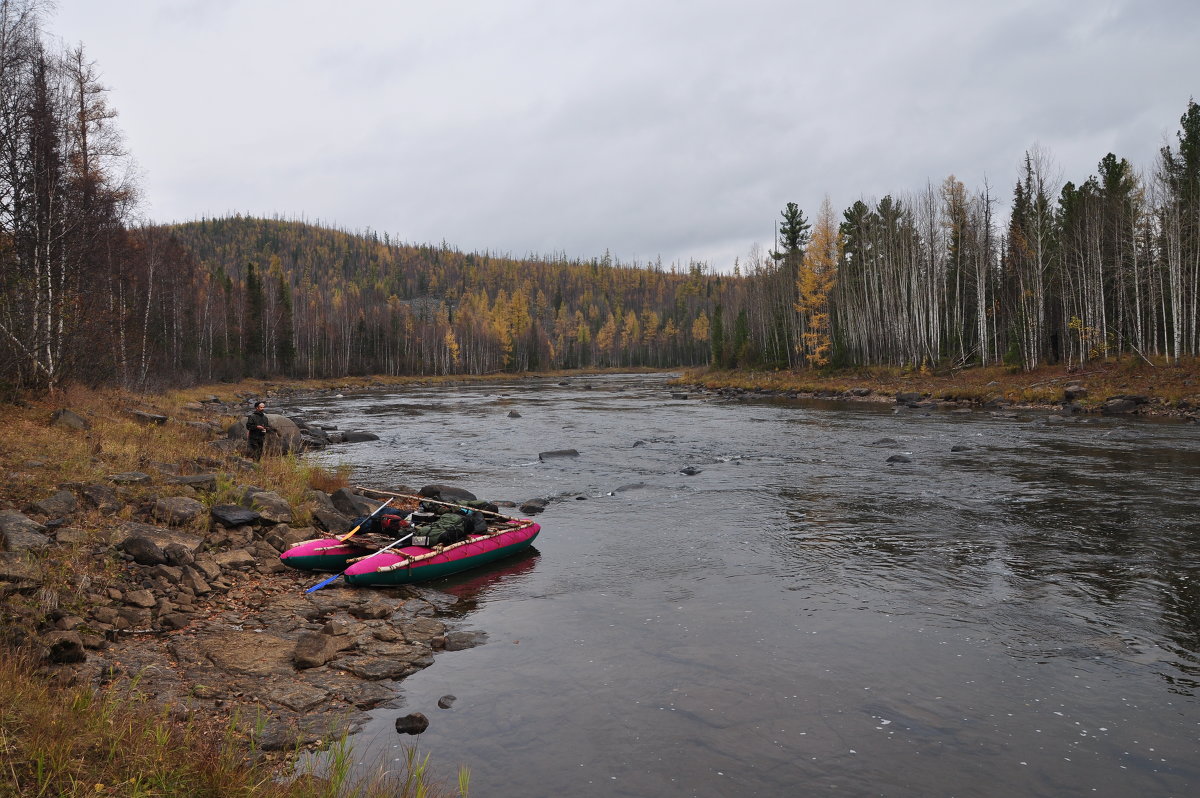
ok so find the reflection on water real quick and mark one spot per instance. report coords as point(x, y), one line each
point(1018, 617)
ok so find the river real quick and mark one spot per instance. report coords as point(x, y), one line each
point(801, 617)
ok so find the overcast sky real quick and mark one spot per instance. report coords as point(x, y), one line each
point(672, 128)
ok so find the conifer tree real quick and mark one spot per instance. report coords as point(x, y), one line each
point(818, 273)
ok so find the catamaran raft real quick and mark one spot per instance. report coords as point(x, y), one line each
point(429, 538)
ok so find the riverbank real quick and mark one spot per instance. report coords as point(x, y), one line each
point(1125, 388)
point(140, 563)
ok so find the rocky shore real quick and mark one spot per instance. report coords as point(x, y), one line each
point(1074, 399)
point(185, 600)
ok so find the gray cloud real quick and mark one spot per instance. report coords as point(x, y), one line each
point(669, 128)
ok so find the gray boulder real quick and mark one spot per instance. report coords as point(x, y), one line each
point(314, 649)
point(284, 437)
point(161, 536)
point(233, 515)
point(16, 570)
point(351, 504)
point(462, 640)
point(177, 510)
point(68, 419)
point(1118, 406)
point(556, 453)
point(376, 668)
point(234, 560)
point(899, 458)
point(64, 647)
point(60, 504)
point(143, 550)
point(19, 532)
point(331, 521)
point(447, 493)
point(101, 497)
point(358, 436)
point(201, 482)
point(533, 506)
point(272, 507)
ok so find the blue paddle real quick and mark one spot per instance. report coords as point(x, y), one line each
point(333, 578)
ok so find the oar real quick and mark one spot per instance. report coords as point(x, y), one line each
point(350, 534)
point(324, 582)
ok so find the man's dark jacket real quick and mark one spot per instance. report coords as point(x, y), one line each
point(254, 420)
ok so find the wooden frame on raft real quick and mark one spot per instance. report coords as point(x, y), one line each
point(513, 525)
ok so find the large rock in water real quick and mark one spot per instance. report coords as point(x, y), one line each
point(284, 433)
point(448, 493)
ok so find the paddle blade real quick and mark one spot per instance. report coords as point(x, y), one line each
point(322, 583)
point(349, 534)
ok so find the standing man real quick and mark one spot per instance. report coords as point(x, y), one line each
point(257, 426)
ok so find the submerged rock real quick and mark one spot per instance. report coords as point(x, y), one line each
point(414, 723)
point(554, 453)
point(533, 506)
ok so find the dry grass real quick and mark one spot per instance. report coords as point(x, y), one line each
point(74, 741)
point(1169, 385)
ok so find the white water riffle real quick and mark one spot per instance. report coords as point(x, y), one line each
point(799, 616)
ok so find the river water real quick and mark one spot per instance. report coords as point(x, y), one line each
point(1019, 618)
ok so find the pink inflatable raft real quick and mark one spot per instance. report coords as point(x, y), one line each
point(362, 563)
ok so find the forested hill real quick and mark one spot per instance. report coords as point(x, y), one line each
point(291, 298)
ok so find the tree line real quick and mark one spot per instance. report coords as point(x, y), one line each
point(1109, 267)
point(945, 276)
